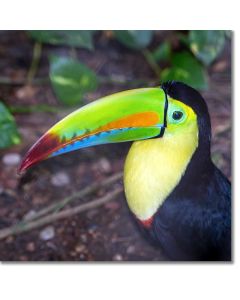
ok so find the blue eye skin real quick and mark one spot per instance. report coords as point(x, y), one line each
point(176, 114)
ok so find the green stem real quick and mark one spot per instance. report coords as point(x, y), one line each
point(152, 63)
point(10, 81)
point(102, 79)
point(37, 52)
point(120, 81)
point(33, 108)
point(73, 53)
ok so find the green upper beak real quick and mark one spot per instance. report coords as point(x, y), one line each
point(126, 116)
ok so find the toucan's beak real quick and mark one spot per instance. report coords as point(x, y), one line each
point(127, 116)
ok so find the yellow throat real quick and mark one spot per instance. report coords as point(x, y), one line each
point(154, 167)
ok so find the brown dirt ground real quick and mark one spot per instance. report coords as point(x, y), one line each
point(106, 233)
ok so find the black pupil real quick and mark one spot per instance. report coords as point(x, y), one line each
point(177, 115)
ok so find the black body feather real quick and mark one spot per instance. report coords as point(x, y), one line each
point(194, 222)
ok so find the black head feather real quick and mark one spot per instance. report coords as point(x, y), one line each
point(186, 94)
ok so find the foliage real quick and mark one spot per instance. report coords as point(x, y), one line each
point(70, 79)
point(202, 47)
point(187, 69)
point(73, 38)
point(8, 130)
point(206, 45)
point(134, 39)
point(162, 52)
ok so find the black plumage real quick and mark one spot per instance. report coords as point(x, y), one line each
point(194, 222)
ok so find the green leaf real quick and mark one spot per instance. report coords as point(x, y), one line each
point(73, 38)
point(134, 39)
point(162, 52)
point(206, 45)
point(9, 135)
point(186, 68)
point(183, 38)
point(228, 34)
point(70, 79)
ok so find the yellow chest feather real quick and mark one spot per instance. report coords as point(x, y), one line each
point(153, 168)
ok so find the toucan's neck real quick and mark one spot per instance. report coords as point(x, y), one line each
point(155, 167)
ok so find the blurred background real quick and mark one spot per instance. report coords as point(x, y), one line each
point(44, 214)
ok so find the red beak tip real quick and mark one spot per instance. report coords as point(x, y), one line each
point(26, 163)
point(21, 168)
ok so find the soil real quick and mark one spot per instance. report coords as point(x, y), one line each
point(106, 233)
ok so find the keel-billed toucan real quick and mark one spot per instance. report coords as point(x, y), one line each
point(179, 197)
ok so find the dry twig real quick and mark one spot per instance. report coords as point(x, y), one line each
point(42, 217)
point(26, 226)
point(84, 192)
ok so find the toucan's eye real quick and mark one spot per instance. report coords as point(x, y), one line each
point(177, 115)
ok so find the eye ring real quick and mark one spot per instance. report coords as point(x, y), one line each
point(177, 115)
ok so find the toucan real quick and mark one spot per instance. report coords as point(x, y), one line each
point(179, 198)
